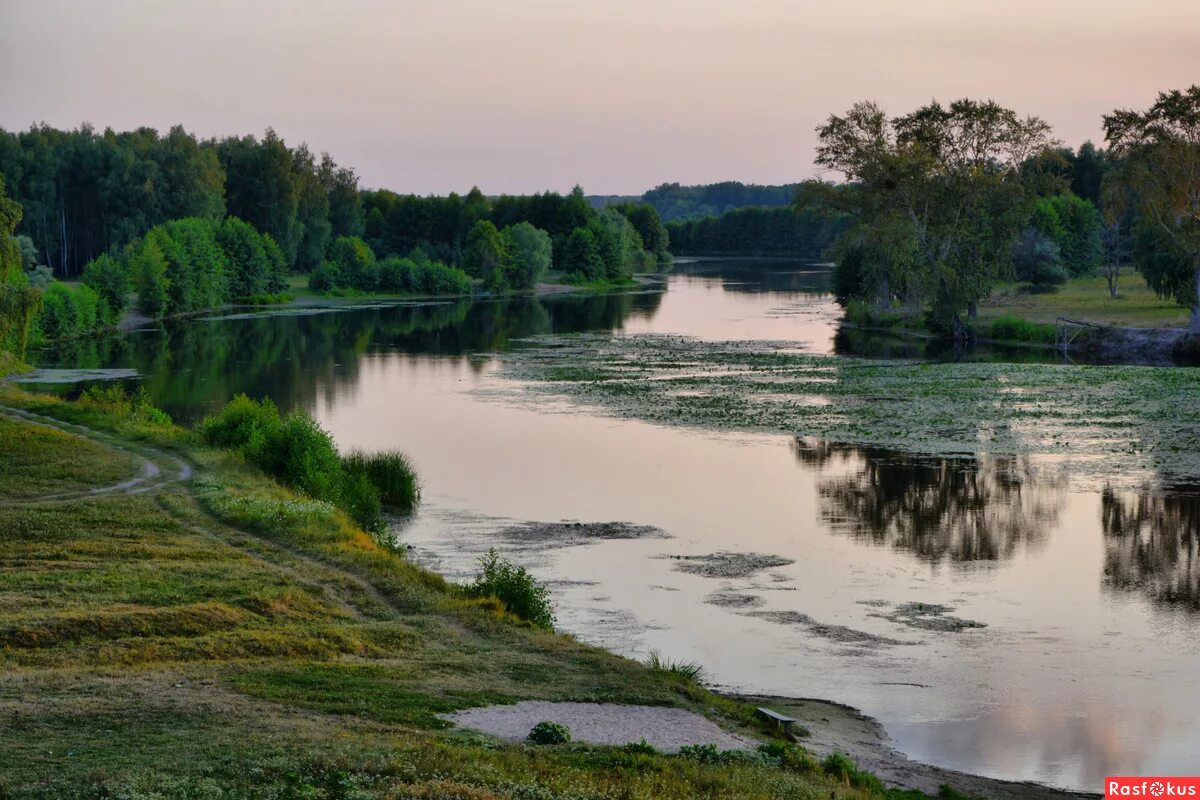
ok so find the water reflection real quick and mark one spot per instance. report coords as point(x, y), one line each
point(965, 510)
point(1152, 544)
point(190, 367)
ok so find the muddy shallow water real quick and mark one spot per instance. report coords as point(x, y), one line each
point(992, 615)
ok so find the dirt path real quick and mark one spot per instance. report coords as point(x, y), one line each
point(158, 469)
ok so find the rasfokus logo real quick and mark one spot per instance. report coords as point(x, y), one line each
point(1158, 786)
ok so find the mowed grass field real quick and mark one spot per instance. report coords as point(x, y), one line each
point(1088, 300)
point(223, 637)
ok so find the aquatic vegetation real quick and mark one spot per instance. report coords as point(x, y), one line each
point(728, 565)
point(391, 472)
point(1127, 423)
point(929, 617)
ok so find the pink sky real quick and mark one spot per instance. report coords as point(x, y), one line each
point(523, 95)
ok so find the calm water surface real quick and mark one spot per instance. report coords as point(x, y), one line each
point(1056, 636)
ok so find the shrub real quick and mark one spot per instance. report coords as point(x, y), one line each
point(1037, 260)
point(396, 275)
point(643, 747)
point(360, 499)
point(68, 312)
point(1015, 329)
point(522, 595)
point(325, 278)
point(391, 473)
point(546, 732)
point(114, 401)
point(789, 756)
point(40, 276)
point(839, 766)
point(109, 277)
point(239, 422)
point(712, 755)
point(300, 453)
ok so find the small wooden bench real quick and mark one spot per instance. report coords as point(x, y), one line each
point(780, 720)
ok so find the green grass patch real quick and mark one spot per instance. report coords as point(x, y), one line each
point(36, 461)
point(1015, 329)
point(375, 692)
point(1088, 300)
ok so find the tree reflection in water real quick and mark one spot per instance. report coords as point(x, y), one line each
point(1152, 544)
point(967, 511)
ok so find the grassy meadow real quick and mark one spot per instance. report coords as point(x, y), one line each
point(1088, 300)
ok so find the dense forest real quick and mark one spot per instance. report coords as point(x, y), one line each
point(188, 224)
point(948, 201)
point(675, 202)
point(759, 232)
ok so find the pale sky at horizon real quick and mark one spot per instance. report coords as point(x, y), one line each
point(439, 95)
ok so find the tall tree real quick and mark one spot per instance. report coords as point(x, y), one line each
point(261, 188)
point(954, 172)
point(1159, 152)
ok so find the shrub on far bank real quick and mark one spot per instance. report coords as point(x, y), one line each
point(67, 312)
point(353, 268)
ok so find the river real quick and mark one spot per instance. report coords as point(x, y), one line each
point(994, 618)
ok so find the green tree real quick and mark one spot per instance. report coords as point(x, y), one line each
point(954, 172)
point(354, 261)
point(484, 254)
point(581, 256)
point(19, 302)
point(649, 226)
point(249, 267)
point(109, 278)
point(148, 272)
point(1159, 164)
point(529, 251)
point(312, 212)
point(1075, 226)
point(1037, 259)
point(261, 188)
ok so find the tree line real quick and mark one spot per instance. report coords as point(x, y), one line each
point(947, 201)
point(493, 239)
point(188, 224)
point(85, 193)
point(806, 234)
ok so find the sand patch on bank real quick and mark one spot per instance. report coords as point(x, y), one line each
point(667, 729)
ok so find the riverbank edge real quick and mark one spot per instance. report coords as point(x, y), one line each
point(836, 727)
point(883, 761)
point(1106, 343)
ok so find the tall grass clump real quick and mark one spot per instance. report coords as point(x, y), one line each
point(1015, 329)
point(687, 671)
point(298, 452)
point(522, 595)
point(392, 474)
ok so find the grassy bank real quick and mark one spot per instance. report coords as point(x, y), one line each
point(216, 635)
point(1088, 300)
